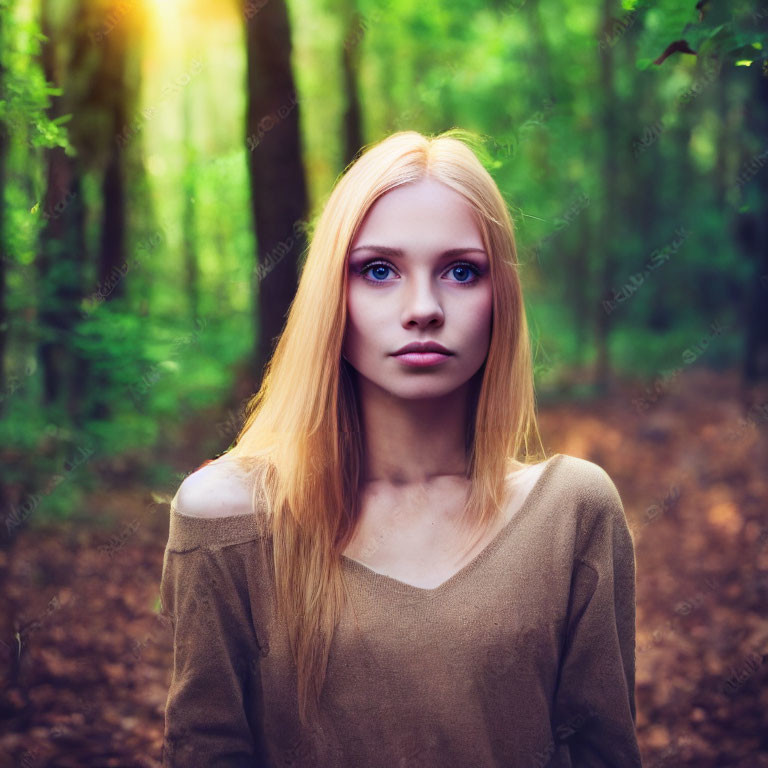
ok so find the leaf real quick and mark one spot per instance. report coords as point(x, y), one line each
point(696, 34)
point(678, 46)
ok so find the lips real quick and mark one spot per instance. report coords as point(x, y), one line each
point(423, 346)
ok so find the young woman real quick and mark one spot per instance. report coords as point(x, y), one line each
point(382, 571)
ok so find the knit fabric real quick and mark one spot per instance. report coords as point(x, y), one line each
point(524, 658)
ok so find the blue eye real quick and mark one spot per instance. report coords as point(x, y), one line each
point(373, 268)
point(467, 268)
point(376, 268)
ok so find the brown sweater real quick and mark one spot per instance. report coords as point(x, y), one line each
point(524, 658)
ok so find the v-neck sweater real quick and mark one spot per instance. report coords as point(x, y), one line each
point(525, 657)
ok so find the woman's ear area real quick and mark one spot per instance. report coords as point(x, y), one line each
point(344, 343)
point(346, 285)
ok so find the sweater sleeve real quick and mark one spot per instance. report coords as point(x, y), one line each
point(215, 660)
point(594, 712)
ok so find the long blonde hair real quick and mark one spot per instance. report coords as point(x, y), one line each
point(303, 427)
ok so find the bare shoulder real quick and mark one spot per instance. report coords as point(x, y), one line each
point(220, 488)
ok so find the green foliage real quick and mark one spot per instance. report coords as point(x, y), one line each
point(731, 32)
point(25, 94)
point(601, 156)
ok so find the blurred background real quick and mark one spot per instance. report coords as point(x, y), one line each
point(161, 166)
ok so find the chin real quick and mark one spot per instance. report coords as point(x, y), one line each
point(419, 389)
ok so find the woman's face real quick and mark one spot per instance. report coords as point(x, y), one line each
point(418, 272)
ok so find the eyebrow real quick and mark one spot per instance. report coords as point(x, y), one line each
point(385, 250)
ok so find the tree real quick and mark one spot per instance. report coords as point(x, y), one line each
point(276, 171)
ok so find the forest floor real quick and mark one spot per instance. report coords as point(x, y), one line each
point(87, 659)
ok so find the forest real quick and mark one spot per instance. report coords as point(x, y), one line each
point(162, 166)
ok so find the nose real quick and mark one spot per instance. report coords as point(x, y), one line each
point(421, 301)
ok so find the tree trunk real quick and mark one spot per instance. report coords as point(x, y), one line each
point(607, 269)
point(278, 187)
point(111, 86)
point(752, 232)
point(189, 236)
point(350, 55)
point(61, 257)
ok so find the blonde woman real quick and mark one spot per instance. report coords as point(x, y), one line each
point(382, 570)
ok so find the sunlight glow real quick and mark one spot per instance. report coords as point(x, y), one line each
point(168, 11)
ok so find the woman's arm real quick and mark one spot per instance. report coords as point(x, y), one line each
point(594, 712)
point(214, 701)
point(215, 660)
